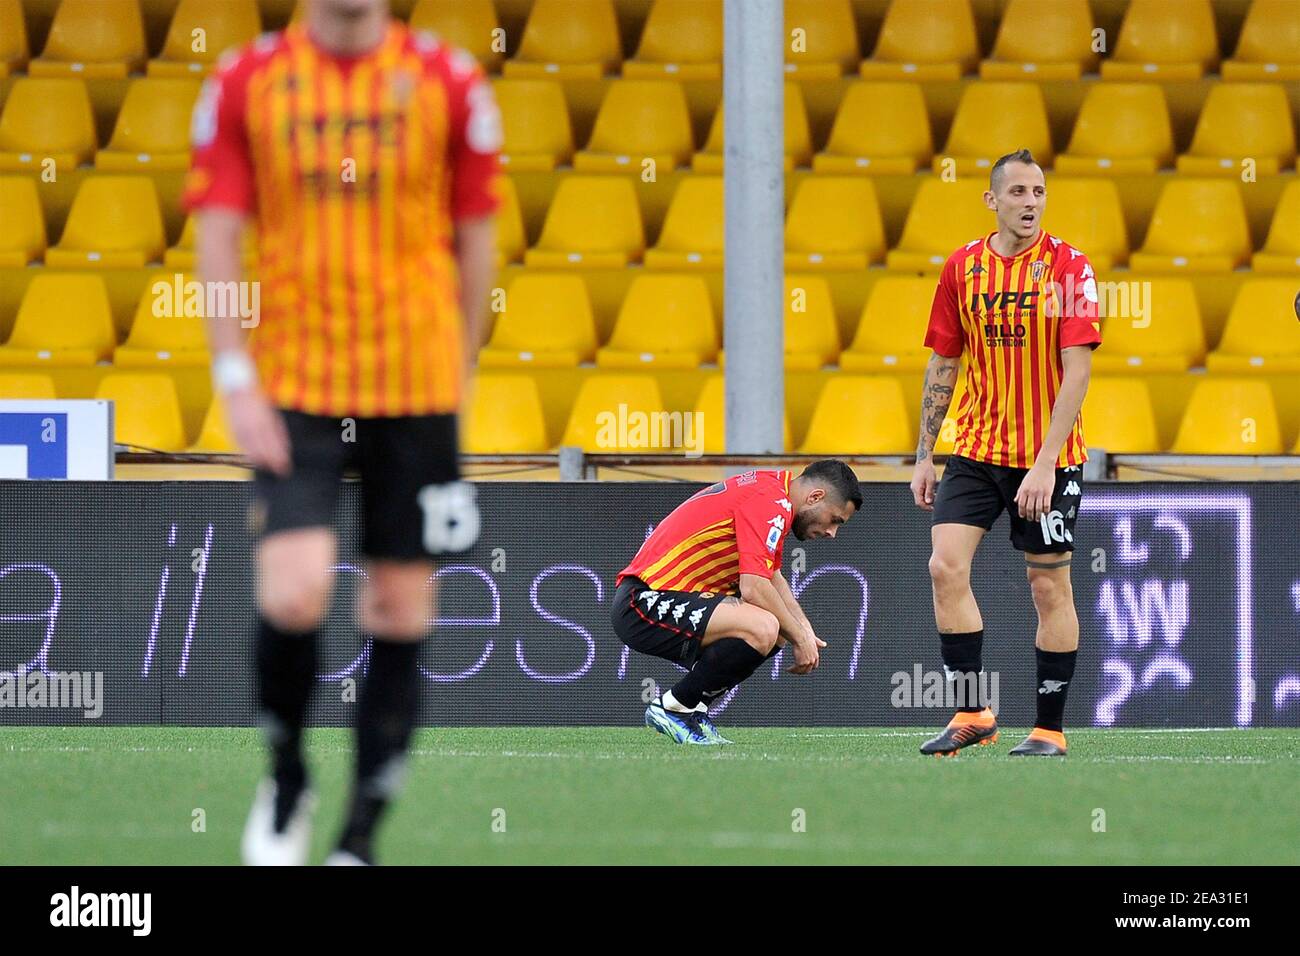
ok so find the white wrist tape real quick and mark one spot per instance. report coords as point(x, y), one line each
point(233, 371)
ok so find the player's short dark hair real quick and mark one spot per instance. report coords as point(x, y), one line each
point(1019, 156)
point(837, 477)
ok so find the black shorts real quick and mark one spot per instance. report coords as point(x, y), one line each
point(975, 493)
point(413, 503)
point(667, 624)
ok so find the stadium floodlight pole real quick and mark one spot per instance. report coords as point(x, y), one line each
point(753, 91)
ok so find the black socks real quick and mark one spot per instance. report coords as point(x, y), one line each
point(719, 667)
point(1055, 670)
point(386, 714)
point(962, 661)
point(286, 668)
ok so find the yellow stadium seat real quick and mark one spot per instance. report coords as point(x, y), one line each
point(1199, 225)
point(96, 39)
point(214, 435)
point(146, 410)
point(1262, 334)
point(23, 385)
point(1087, 214)
point(14, 52)
point(1118, 416)
point(46, 119)
point(834, 224)
point(547, 323)
point(924, 40)
point(860, 415)
point(169, 338)
point(471, 25)
point(153, 128)
point(1121, 128)
point(223, 24)
point(504, 417)
point(891, 332)
point(23, 238)
point(593, 221)
point(812, 335)
point(1229, 416)
point(639, 120)
point(538, 136)
point(991, 115)
point(798, 139)
point(47, 332)
point(666, 321)
point(115, 222)
point(692, 236)
point(1242, 121)
point(881, 129)
point(712, 407)
point(943, 216)
point(1159, 40)
point(1167, 337)
point(568, 39)
point(682, 39)
point(1042, 41)
point(614, 413)
point(1281, 252)
point(1269, 45)
point(511, 240)
point(821, 39)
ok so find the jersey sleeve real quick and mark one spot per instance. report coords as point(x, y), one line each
point(944, 331)
point(221, 167)
point(762, 523)
point(1080, 323)
point(476, 139)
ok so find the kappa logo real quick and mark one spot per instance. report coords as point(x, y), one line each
point(678, 611)
point(1055, 242)
point(650, 597)
point(1086, 272)
point(696, 616)
point(1074, 253)
point(1070, 513)
point(785, 503)
point(976, 270)
point(664, 608)
point(1052, 686)
point(1072, 488)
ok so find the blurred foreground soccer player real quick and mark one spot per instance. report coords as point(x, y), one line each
point(1022, 306)
point(706, 590)
point(366, 155)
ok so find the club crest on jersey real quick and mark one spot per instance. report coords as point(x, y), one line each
point(402, 85)
point(1037, 269)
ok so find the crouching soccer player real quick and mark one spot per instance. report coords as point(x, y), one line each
point(706, 590)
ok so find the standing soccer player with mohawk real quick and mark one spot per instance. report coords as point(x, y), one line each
point(366, 156)
point(1021, 305)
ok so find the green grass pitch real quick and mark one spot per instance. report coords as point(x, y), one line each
point(627, 795)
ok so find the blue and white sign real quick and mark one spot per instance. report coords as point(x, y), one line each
point(56, 439)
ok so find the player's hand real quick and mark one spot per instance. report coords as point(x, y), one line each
point(923, 484)
point(258, 429)
point(1034, 499)
point(806, 656)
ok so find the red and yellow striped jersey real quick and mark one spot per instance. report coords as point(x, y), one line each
point(356, 170)
point(1012, 315)
point(730, 528)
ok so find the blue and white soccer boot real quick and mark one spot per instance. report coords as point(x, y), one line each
point(680, 728)
point(709, 728)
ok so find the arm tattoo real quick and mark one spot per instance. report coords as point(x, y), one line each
point(936, 396)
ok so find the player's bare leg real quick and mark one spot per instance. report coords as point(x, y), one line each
point(961, 633)
point(1056, 647)
point(293, 596)
point(738, 638)
point(397, 607)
